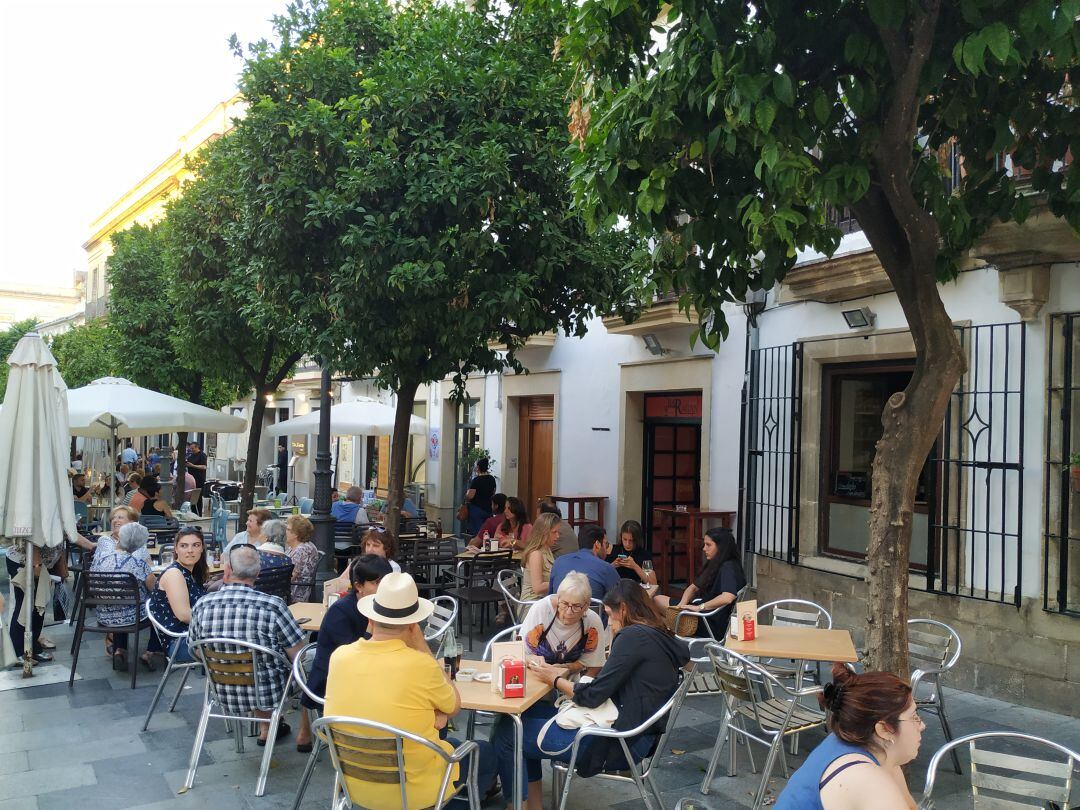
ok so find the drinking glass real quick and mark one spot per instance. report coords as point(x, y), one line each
point(167, 557)
point(646, 566)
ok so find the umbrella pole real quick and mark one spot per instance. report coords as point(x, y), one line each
point(111, 467)
point(28, 608)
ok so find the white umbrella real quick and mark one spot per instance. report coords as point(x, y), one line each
point(361, 417)
point(35, 502)
point(113, 408)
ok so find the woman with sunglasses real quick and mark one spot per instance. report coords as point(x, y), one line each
point(181, 586)
point(875, 730)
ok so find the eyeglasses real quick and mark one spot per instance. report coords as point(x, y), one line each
point(572, 608)
point(914, 716)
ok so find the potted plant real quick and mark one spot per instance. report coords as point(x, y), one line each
point(1074, 471)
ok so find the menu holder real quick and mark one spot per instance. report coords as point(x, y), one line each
point(744, 619)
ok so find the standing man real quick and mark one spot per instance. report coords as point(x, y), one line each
point(129, 455)
point(282, 468)
point(196, 463)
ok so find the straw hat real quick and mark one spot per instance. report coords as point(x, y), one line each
point(396, 602)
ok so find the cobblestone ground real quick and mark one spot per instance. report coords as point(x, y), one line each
point(82, 749)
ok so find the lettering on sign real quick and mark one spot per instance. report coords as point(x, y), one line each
point(673, 406)
point(299, 445)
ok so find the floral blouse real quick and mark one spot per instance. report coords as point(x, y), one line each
point(305, 557)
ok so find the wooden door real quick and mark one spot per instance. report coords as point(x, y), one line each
point(535, 450)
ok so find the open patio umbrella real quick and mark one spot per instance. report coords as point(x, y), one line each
point(361, 417)
point(113, 408)
point(36, 508)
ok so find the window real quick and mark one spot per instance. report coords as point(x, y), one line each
point(853, 399)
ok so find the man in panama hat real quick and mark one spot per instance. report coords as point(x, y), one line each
point(393, 678)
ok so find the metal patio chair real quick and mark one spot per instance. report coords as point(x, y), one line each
point(754, 693)
point(229, 662)
point(478, 585)
point(441, 619)
point(934, 648)
point(276, 581)
point(171, 666)
point(108, 589)
point(301, 664)
point(1000, 780)
point(509, 583)
point(509, 634)
point(641, 773)
point(375, 752)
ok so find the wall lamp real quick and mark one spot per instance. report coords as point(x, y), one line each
point(861, 318)
point(754, 304)
point(652, 343)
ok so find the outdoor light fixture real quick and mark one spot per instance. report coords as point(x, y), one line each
point(861, 318)
point(754, 304)
point(652, 343)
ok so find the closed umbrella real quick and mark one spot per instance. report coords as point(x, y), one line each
point(113, 408)
point(36, 507)
point(361, 417)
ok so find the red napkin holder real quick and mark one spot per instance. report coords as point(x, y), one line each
point(512, 678)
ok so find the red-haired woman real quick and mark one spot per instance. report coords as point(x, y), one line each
point(875, 729)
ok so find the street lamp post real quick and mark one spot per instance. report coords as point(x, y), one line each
point(320, 511)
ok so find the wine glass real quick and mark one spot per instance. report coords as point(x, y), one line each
point(647, 567)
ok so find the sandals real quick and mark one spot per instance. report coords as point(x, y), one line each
point(147, 660)
point(119, 660)
point(283, 730)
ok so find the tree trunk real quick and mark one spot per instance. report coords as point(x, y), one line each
point(181, 468)
point(251, 467)
point(905, 239)
point(399, 448)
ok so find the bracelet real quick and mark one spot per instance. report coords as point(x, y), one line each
point(555, 683)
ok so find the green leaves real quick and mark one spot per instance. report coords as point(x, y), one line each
point(886, 13)
point(765, 113)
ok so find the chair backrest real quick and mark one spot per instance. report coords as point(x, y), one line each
point(933, 644)
point(233, 663)
point(374, 752)
point(276, 581)
point(154, 521)
point(82, 512)
point(796, 613)
point(306, 505)
point(301, 664)
point(446, 610)
point(162, 630)
point(509, 634)
point(1003, 780)
point(731, 677)
point(508, 582)
point(484, 568)
point(112, 589)
point(733, 665)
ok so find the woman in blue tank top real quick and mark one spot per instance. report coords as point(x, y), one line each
point(874, 730)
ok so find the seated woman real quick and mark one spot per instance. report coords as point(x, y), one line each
point(106, 543)
point(342, 624)
point(272, 548)
point(154, 503)
point(180, 587)
point(630, 554)
point(640, 675)
point(717, 584)
point(252, 528)
point(303, 553)
point(874, 731)
point(515, 528)
point(133, 536)
point(537, 558)
point(381, 544)
point(562, 630)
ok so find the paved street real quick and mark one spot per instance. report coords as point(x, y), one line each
point(82, 748)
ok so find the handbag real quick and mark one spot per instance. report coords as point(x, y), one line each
point(463, 512)
point(570, 716)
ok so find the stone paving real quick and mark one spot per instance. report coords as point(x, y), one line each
point(82, 748)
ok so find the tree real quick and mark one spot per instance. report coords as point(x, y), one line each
point(724, 130)
point(145, 326)
point(221, 323)
point(412, 163)
point(86, 353)
point(8, 338)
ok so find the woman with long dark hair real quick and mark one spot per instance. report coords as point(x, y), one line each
point(515, 528)
point(478, 495)
point(875, 729)
point(182, 584)
point(718, 582)
point(640, 675)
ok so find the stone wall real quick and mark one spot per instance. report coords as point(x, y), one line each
point(1025, 656)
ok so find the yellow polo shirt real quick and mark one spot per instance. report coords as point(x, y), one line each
point(389, 682)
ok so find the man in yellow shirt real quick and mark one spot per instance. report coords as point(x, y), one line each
point(393, 678)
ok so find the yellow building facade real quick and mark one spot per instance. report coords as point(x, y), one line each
point(144, 203)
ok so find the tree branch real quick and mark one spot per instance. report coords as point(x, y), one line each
point(285, 368)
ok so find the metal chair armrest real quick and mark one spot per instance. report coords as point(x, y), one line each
point(462, 751)
point(771, 681)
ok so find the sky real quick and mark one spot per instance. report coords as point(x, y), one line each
point(93, 95)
